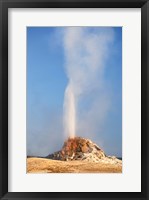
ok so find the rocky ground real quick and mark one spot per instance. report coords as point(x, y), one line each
point(78, 155)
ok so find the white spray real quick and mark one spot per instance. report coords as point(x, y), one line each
point(69, 110)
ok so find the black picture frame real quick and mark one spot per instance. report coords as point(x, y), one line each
point(4, 6)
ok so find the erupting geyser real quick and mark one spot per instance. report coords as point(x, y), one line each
point(85, 52)
point(69, 112)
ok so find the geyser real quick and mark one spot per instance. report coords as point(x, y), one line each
point(69, 112)
point(85, 51)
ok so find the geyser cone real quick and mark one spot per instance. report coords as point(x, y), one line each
point(78, 148)
point(81, 149)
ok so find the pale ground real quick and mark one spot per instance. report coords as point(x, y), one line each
point(43, 165)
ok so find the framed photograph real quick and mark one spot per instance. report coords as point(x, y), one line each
point(74, 99)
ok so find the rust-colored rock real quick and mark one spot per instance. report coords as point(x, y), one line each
point(85, 148)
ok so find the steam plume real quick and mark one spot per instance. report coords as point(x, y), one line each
point(86, 50)
point(69, 109)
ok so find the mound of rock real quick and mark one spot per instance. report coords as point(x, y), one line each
point(82, 149)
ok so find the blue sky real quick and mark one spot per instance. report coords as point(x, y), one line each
point(47, 79)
